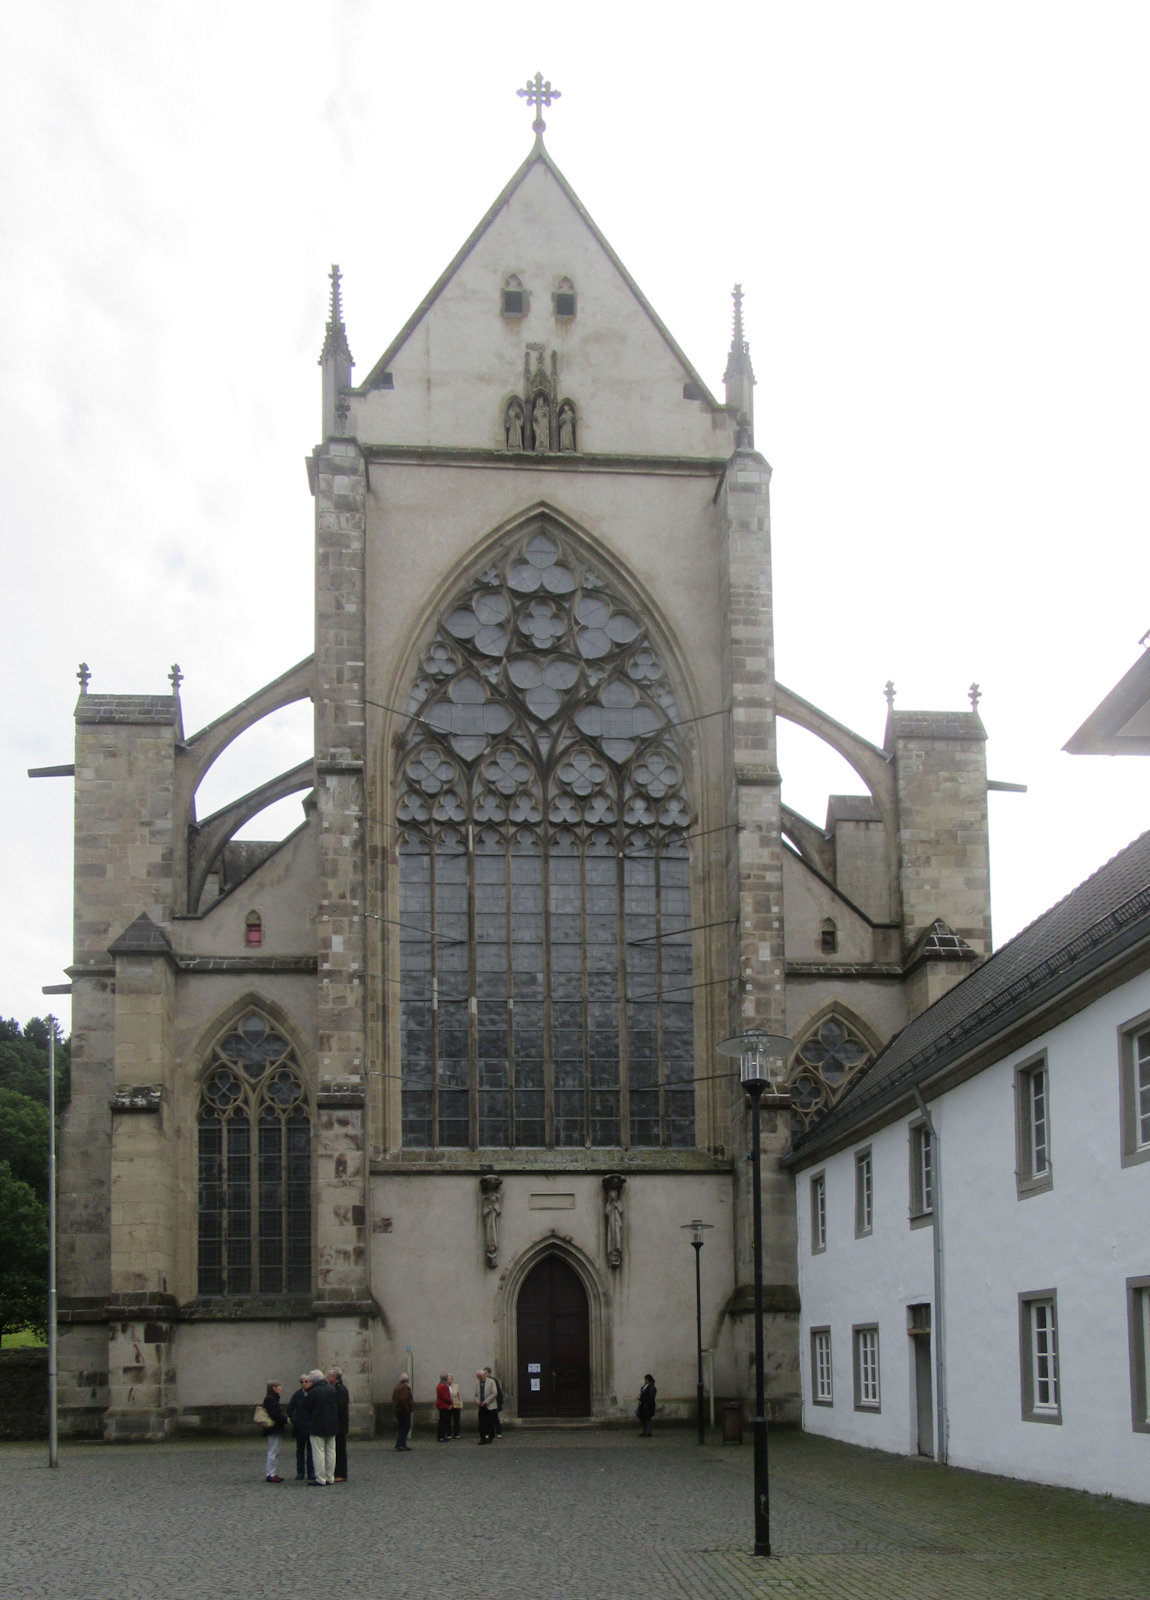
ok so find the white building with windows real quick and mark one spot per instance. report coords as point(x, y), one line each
point(974, 1214)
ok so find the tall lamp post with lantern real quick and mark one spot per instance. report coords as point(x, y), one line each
point(697, 1229)
point(762, 1058)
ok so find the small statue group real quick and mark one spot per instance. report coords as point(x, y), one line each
point(514, 423)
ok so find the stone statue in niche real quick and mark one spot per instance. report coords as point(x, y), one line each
point(491, 1204)
point(513, 425)
point(567, 426)
point(613, 1216)
point(541, 424)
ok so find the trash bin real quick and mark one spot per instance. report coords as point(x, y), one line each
point(732, 1422)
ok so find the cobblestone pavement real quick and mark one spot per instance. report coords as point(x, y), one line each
point(552, 1515)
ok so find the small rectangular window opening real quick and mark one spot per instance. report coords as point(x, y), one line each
point(866, 1369)
point(565, 303)
point(1038, 1352)
point(921, 1173)
point(1138, 1295)
point(822, 1384)
point(512, 302)
point(818, 1213)
point(864, 1194)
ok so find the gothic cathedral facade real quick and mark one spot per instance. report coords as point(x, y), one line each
point(432, 1081)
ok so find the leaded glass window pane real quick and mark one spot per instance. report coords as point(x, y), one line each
point(545, 955)
point(254, 1167)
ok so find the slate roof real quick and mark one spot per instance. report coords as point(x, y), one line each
point(965, 725)
point(1096, 922)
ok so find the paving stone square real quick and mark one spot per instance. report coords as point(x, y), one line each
point(552, 1515)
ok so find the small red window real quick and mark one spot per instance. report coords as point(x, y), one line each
point(254, 929)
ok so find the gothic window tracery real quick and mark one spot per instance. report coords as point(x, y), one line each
point(254, 1143)
point(545, 952)
point(831, 1057)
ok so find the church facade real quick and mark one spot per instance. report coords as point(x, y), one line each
point(432, 1082)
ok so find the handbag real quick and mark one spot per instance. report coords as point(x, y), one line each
point(260, 1416)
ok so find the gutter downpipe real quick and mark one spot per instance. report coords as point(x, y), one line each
point(942, 1419)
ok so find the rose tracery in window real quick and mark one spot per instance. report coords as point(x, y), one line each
point(545, 952)
point(828, 1061)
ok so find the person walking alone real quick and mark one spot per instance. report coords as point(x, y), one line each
point(456, 1406)
point(403, 1404)
point(646, 1408)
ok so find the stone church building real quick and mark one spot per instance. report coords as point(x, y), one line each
point(432, 1082)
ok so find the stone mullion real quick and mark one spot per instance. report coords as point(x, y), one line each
point(472, 992)
point(621, 978)
point(545, 908)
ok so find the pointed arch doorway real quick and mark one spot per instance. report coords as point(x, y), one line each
point(553, 1342)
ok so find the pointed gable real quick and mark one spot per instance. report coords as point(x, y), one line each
point(447, 378)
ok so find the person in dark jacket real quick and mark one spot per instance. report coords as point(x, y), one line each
point(323, 1422)
point(297, 1416)
point(274, 1434)
point(646, 1408)
point(403, 1404)
point(335, 1378)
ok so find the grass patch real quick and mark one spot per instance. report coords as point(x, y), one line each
point(23, 1339)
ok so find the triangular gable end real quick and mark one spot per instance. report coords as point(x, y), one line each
point(445, 379)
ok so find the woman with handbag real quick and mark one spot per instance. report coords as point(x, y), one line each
point(273, 1428)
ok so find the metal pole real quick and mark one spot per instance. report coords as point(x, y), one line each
point(762, 1491)
point(53, 1460)
point(696, 1246)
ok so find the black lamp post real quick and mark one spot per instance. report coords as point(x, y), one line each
point(697, 1228)
point(759, 1052)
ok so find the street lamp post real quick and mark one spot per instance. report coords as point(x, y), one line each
point(697, 1228)
point(759, 1052)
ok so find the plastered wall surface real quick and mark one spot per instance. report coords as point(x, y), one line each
point(1081, 1238)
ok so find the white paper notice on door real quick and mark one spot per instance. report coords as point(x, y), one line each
point(535, 1385)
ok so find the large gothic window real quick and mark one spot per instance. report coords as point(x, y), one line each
point(254, 1166)
point(545, 951)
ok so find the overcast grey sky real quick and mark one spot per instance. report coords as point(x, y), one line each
point(938, 214)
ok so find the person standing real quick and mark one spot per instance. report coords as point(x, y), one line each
point(486, 1401)
point(343, 1402)
point(646, 1408)
point(456, 1406)
point(323, 1420)
point(491, 1378)
point(273, 1434)
point(403, 1404)
point(297, 1416)
point(443, 1409)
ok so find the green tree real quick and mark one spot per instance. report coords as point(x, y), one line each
point(24, 1058)
point(24, 1259)
point(24, 1140)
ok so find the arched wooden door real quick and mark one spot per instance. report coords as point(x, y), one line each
point(554, 1340)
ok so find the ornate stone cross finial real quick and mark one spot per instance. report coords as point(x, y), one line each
point(85, 677)
point(335, 334)
point(738, 339)
point(538, 94)
point(175, 677)
point(888, 691)
point(975, 694)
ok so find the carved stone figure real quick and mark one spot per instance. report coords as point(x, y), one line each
point(613, 1215)
point(541, 424)
point(513, 425)
point(491, 1204)
point(566, 426)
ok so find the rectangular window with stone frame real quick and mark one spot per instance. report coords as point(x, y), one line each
point(866, 1375)
point(1038, 1356)
point(822, 1377)
point(818, 1213)
point(864, 1193)
point(1138, 1323)
point(1134, 1089)
point(921, 1148)
point(1033, 1170)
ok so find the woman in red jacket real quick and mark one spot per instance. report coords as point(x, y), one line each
point(443, 1408)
